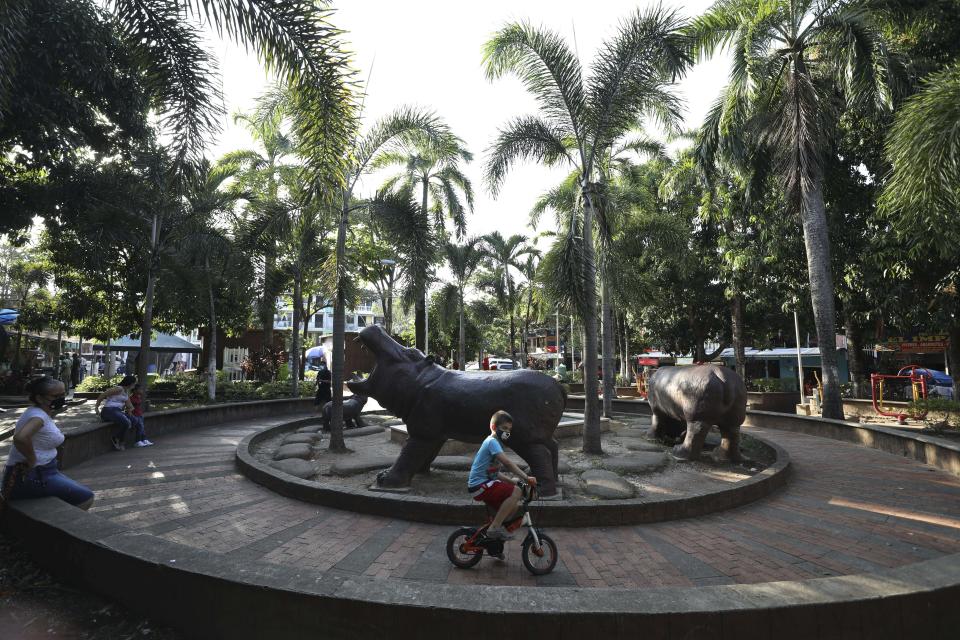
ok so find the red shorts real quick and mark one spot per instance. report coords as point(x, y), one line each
point(494, 492)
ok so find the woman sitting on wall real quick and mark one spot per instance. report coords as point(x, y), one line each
point(31, 470)
point(116, 407)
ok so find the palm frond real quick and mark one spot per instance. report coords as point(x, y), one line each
point(922, 196)
point(524, 138)
point(716, 28)
point(545, 65)
point(404, 125)
point(561, 273)
point(178, 72)
point(14, 18)
point(632, 74)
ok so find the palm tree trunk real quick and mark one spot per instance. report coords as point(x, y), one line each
point(591, 404)
point(609, 375)
point(736, 327)
point(269, 299)
point(146, 328)
point(462, 347)
point(855, 358)
point(513, 340)
point(817, 242)
point(212, 342)
point(339, 321)
point(295, 336)
point(420, 308)
point(526, 325)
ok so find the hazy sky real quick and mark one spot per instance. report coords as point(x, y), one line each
point(428, 53)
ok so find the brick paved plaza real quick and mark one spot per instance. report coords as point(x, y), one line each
point(846, 510)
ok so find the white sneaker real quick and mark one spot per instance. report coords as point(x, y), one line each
point(147, 443)
point(141, 443)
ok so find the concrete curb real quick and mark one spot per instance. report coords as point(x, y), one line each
point(199, 592)
point(462, 511)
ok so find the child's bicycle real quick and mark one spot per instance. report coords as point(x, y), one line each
point(466, 545)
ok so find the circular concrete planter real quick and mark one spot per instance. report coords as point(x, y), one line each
point(461, 511)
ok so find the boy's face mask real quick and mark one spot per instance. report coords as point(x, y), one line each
point(503, 435)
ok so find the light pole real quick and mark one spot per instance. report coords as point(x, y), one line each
point(388, 306)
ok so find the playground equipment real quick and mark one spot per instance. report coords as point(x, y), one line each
point(918, 386)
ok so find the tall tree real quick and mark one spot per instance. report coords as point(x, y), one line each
point(578, 120)
point(791, 62)
point(434, 169)
point(463, 260)
point(506, 256)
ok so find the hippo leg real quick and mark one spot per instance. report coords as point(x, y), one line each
point(664, 427)
point(693, 442)
point(540, 459)
point(426, 465)
point(416, 453)
point(730, 444)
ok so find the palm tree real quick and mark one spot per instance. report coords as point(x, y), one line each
point(578, 122)
point(505, 254)
point(262, 173)
point(207, 248)
point(435, 170)
point(293, 39)
point(463, 260)
point(402, 126)
point(790, 61)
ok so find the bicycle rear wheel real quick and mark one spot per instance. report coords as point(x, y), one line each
point(540, 560)
point(462, 559)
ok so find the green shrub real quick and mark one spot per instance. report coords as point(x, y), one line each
point(97, 384)
point(577, 377)
point(241, 391)
point(281, 389)
point(937, 412)
point(772, 385)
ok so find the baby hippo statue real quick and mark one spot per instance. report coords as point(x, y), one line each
point(352, 407)
point(693, 399)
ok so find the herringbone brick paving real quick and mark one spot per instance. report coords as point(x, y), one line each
point(847, 510)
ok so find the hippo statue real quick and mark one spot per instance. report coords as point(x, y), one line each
point(693, 399)
point(352, 407)
point(438, 404)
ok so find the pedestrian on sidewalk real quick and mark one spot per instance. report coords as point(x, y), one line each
point(75, 370)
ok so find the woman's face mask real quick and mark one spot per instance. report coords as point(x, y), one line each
point(58, 403)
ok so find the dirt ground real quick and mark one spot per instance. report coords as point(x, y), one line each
point(34, 605)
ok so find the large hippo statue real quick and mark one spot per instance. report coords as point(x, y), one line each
point(693, 399)
point(438, 404)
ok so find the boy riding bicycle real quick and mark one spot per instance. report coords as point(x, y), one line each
point(489, 486)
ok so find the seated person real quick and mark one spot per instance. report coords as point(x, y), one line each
point(31, 470)
point(487, 485)
point(116, 407)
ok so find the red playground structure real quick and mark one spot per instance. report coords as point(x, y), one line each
point(918, 385)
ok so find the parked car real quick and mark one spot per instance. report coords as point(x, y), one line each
point(939, 384)
point(501, 364)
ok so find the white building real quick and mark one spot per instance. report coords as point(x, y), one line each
point(321, 322)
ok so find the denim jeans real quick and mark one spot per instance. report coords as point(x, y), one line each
point(119, 418)
point(137, 422)
point(46, 480)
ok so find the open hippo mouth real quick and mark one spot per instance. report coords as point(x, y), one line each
point(376, 340)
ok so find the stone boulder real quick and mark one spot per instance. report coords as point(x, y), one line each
point(357, 463)
point(302, 438)
point(636, 463)
point(452, 463)
point(301, 451)
point(606, 485)
point(295, 467)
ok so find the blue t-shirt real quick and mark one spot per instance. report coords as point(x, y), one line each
point(484, 459)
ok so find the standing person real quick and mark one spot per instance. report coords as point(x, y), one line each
point(64, 370)
point(136, 416)
point(116, 405)
point(324, 391)
point(75, 370)
point(31, 470)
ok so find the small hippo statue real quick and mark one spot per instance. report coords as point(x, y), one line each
point(693, 399)
point(352, 407)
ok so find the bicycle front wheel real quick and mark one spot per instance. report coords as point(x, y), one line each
point(540, 560)
point(460, 558)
